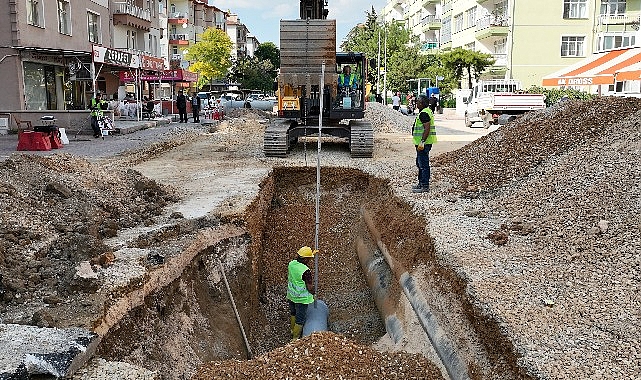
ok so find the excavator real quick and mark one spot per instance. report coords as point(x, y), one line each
point(305, 45)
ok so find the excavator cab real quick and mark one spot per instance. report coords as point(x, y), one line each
point(348, 102)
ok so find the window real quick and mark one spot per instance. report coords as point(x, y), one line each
point(93, 27)
point(470, 46)
point(613, 7)
point(575, 9)
point(572, 46)
point(500, 46)
point(609, 42)
point(471, 17)
point(64, 17)
point(458, 22)
point(34, 12)
point(131, 40)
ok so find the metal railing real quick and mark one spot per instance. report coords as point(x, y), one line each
point(430, 19)
point(627, 18)
point(488, 21)
point(182, 37)
point(129, 9)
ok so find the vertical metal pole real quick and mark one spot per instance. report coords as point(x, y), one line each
point(385, 75)
point(320, 131)
point(378, 64)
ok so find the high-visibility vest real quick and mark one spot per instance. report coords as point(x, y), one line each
point(419, 128)
point(341, 80)
point(96, 109)
point(296, 289)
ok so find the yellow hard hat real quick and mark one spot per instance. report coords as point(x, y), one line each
point(306, 252)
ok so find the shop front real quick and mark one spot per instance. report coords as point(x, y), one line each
point(164, 86)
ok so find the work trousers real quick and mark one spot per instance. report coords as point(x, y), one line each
point(423, 165)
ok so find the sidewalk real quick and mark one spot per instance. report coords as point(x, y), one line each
point(129, 134)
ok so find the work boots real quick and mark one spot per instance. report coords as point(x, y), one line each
point(297, 331)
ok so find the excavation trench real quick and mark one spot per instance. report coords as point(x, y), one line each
point(190, 319)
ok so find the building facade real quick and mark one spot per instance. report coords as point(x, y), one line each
point(528, 39)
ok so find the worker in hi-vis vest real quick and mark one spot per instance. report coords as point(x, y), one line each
point(423, 139)
point(347, 80)
point(300, 289)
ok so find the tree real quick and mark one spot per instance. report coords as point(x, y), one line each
point(463, 61)
point(268, 51)
point(211, 55)
point(253, 73)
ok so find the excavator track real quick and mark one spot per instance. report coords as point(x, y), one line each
point(276, 140)
point(361, 140)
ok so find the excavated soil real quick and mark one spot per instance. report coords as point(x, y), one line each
point(526, 248)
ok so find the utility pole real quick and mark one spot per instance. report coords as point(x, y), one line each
point(378, 64)
point(385, 75)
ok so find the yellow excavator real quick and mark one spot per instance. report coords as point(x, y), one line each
point(305, 45)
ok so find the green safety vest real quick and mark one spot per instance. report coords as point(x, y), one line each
point(341, 80)
point(95, 107)
point(296, 289)
point(418, 129)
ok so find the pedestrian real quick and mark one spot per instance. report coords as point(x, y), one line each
point(195, 107)
point(181, 103)
point(396, 101)
point(423, 139)
point(97, 106)
point(379, 98)
point(433, 102)
point(300, 290)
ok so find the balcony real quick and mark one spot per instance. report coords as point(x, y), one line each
point(481, 1)
point(446, 8)
point(430, 2)
point(500, 60)
point(431, 22)
point(491, 26)
point(177, 18)
point(178, 39)
point(631, 18)
point(133, 16)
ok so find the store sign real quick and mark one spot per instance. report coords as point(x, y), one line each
point(167, 76)
point(115, 57)
point(152, 63)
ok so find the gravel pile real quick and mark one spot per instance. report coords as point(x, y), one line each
point(323, 356)
point(384, 119)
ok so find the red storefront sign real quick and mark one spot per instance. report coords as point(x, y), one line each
point(152, 63)
point(177, 75)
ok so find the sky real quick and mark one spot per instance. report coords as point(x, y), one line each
point(262, 17)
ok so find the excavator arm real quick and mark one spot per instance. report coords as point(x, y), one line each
point(313, 9)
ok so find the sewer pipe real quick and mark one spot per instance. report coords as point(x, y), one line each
point(456, 368)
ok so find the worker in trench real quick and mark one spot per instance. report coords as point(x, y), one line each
point(300, 289)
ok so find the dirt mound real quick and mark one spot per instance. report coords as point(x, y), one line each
point(323, 355)
point(248, 113)
point(55, 211)
point(517, 149)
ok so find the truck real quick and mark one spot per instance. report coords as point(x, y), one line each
point(307, 45)
point(499, 102)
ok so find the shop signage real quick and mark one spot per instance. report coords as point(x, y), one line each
point(166, 76)
point(152, 63)
point(115, 57)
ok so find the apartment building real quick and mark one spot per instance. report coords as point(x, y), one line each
point(244, 44)
point(528, 39)
point(46, 50)
point(187, 19)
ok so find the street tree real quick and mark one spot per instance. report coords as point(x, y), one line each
point(462, 62)
point(210, 56)
point(270, 52)
point(253, 73)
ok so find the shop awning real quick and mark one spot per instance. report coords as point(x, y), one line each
point(600, 68)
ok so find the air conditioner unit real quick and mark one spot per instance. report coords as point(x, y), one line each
point(176, 56)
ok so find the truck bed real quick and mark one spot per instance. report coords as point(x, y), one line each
point(511, 102)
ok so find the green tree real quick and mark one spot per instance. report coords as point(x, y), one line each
point(268, 51)
point(463, 61)
point(253, 73)
point(210, 55)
